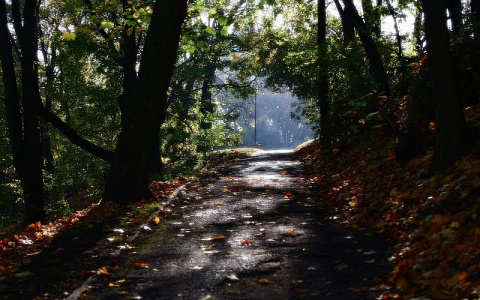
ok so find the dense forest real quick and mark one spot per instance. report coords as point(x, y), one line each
point(99, 97)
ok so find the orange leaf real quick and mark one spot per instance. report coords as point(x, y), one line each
point(140, 265)
point(264, 281)
point(402, 285)
point(462, 276)
point(103, 271)
point(136, 221)
point(290, 233)
point(438, 218)
point(156, 220)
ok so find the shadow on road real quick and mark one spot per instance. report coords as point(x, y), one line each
point(256, 231)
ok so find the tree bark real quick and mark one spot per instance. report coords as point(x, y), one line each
point(323, 87)
point(450, 122)
point(455, 9)
point(347, 25)
point(128, 179)
point(23, 128)
point(418, 36)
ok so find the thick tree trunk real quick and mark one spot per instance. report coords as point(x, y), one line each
point(128, 179)
point(23, 128)
point(450, 122)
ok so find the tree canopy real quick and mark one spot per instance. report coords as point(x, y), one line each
point(99, 97)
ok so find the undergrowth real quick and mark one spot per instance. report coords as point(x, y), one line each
point(434, 220)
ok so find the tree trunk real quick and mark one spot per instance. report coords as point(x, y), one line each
point(372, 18)
point(475, 15)
point(207, 107)
point(323, 99)
point(376, 63)
point(369, 45)
point(46, 147)
point(450, 122)
point(128, 179)
point(418, 32)
point(401, 58)
point(23, 128)
point(347, 25)
point(156, 164)
point(455, 9)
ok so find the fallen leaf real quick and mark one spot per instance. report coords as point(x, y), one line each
point(135, 221)
point(233, 277)
point(290, 234)
point(438, 218)
point(103, 271)
point(341, 266)
point(156, 220)
point(462, 276)
point(455, 224)
point(140, 265)
point(264, 281)
point(245, 243)
point(215, 238)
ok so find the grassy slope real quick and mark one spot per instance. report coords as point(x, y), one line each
point(435, 221)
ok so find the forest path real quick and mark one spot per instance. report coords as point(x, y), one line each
point(254, 231)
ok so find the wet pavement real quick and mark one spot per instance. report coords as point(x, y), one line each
point(255, 230)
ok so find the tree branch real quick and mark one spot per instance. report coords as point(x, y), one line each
point(73, 136)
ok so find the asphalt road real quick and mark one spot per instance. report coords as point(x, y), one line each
point(256, 230)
